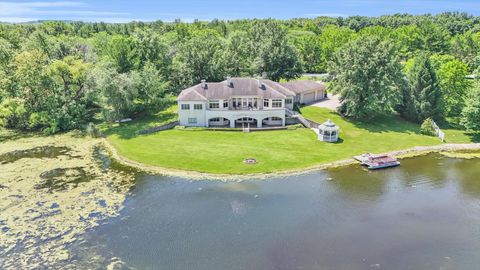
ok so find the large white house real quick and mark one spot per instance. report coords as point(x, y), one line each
point(236, 102)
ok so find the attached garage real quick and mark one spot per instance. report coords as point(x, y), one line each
point(308, 97)
point(306, 91)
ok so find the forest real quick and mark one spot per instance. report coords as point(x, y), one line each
point(57, 76)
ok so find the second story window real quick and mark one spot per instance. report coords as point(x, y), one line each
point(214, 104)
point(225, 104)
point(288, 101)
point(198, 106)
point(266, 103)
point(185, 107)
point(276, 103)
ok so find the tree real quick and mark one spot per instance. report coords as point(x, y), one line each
point(151, 48)
point(200, 58)
point(408, 39)
point(13, 113)
point(238, 54)
point(435, 38)
point(368, 77)
point(466, 47)
point(122, 52)
point(71, 93)
point(453, 81)
point(471, 112)
point(332, 39)
point(274, 55)
point(150, 87)
point(118, 92)
point(423, 97)
point(310, 51)
point(438, 60)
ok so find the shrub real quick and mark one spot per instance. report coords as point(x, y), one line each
point(93, 131)
point(294, 127)
point(427, 127)
point(13, 113)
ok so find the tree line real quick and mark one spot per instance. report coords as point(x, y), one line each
point(57, 76)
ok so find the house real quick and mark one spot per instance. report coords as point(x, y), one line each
point(236, 102)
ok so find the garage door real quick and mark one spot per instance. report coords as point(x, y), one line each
point(308, 98)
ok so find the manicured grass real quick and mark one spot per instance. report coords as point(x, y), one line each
point(224, 152)
point(129, 130)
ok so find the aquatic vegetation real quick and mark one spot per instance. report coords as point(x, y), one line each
point(36, 152)
point(53, 189)
point(462, 154)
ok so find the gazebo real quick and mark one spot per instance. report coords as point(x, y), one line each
point(328, 132)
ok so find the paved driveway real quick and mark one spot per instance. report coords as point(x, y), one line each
point(331, 102)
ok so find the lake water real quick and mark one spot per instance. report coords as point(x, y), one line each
point(422, 215)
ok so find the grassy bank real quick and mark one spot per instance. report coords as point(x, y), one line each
point(224, 152)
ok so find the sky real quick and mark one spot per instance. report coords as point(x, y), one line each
point(188, 10)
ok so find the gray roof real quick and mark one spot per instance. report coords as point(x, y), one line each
point(239, 87)
point(303, 86)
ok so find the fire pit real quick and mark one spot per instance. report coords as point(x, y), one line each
point(250, 161)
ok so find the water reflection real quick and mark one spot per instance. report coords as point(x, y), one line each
point(410, 217)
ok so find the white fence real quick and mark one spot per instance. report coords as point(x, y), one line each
point(438, 131)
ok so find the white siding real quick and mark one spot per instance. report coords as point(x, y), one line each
point(185, 115)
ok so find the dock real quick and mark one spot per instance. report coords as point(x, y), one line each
point(375, 162)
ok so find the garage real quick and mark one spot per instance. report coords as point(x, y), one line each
point(308, 97)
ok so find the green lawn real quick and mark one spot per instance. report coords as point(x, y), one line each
point(223, 152)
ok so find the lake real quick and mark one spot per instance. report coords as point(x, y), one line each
point(422, 215)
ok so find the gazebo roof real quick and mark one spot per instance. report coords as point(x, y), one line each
point(328, 126)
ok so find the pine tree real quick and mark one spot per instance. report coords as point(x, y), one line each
point(422, 98)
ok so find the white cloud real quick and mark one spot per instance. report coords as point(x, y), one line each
point(13, 9)
point(16, 12)
point(17, 19)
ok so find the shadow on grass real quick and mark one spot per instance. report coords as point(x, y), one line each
point(11, 135)
point(340, 140)
point(474, 136)
point(131, 130)
point(388, 123)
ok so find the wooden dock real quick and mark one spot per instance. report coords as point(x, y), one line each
point(374, 162)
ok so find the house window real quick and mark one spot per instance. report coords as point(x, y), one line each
point(276, 119)
point(198, 106)
point(214, 104)
point(185, 107)
point(192, 120)
point(217, 119)
point(288, 101)
point(276, 103)
point(225, 104)
point(266, 103)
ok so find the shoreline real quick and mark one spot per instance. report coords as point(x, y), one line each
point(195, 175)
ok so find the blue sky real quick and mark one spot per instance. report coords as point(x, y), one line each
point(187, 10)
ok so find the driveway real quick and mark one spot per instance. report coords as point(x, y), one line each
point(332, 102)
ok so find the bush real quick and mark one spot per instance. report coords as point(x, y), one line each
point(294, 127)
point(93, 131)
point(427, 128)
point(13, 113)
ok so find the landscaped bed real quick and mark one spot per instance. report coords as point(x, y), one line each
point(222, 152)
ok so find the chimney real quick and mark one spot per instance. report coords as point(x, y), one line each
point(261, 85)
point(204, 84)
point(229, 81)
